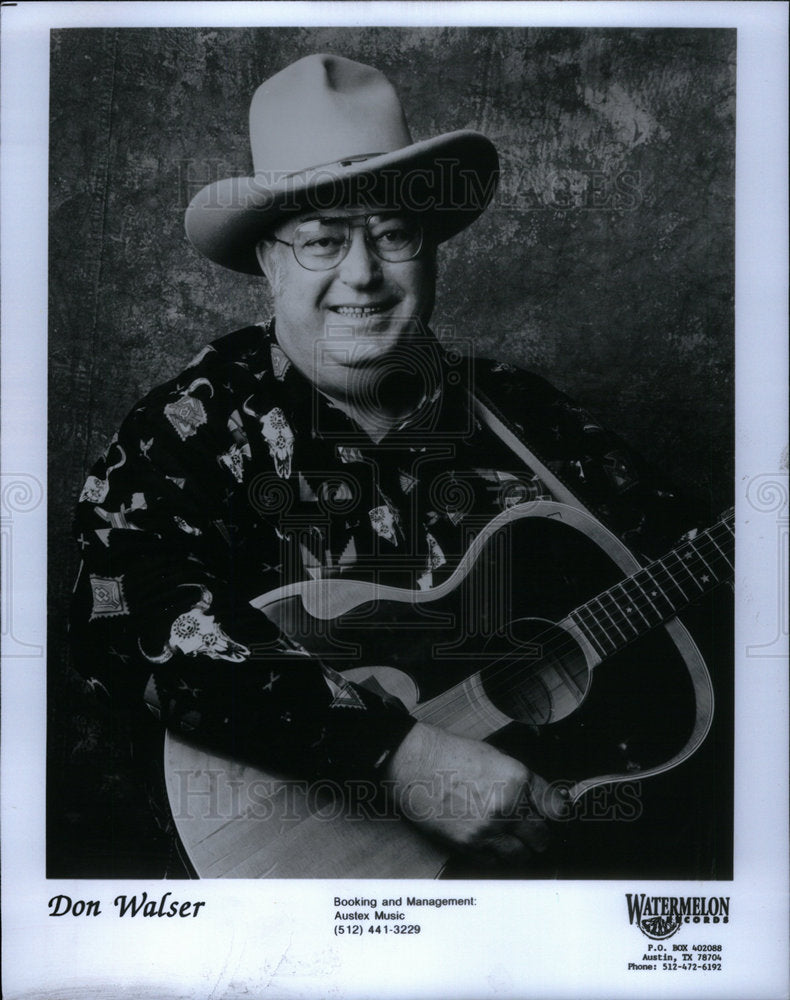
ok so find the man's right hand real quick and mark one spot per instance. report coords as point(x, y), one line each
point(481, 801)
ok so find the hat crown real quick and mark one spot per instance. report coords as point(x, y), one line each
point(325, 131)
point(320, 110)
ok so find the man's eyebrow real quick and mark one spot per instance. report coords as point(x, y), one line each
point(385, 213)
point(324, 218)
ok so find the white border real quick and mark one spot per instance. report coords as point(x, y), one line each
point(273, 939)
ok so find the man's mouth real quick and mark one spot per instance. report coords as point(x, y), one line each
point(361, 312)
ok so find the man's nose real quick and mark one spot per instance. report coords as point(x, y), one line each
point(360, 267)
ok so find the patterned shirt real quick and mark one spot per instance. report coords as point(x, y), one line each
point(237, 477)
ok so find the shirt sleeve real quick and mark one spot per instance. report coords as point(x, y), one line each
point(172, 552)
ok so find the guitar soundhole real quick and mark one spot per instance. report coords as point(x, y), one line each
point(538, 673)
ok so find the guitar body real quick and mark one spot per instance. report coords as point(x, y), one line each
point(495, 652)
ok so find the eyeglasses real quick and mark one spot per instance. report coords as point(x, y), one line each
point(321, 244)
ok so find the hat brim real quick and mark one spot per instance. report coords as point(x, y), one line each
point(452, 178)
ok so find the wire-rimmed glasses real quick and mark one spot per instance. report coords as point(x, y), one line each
point(322, 243)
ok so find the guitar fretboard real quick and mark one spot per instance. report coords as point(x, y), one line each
point(655, 593)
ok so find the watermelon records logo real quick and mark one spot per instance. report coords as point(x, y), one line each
point(659, 917)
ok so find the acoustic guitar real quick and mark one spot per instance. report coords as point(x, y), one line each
point(591, 687)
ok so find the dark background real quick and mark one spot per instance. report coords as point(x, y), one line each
point(605, 263)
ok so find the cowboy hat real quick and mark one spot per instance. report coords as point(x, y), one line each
point(327, 129)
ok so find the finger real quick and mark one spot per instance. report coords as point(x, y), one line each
point(533, 833)
point(555, 803)
point(551, 801)
point(507, 847)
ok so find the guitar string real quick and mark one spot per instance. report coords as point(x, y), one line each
point(454, 699)
point(444, 704)
point(630, 631)
point(656, 617)
point(656, 572)
point(663, 574)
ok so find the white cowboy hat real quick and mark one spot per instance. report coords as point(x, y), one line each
point(327, 129)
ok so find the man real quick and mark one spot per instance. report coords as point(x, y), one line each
point(338, 441)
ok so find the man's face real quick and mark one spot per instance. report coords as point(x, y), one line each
point(335, 324)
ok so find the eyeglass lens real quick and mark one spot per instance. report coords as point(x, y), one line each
point(321, 243)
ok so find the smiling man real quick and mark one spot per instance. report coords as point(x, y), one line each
point(356, 291)
point(339, 441)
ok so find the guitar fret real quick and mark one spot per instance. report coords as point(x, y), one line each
point(631, 604)
point(649, 600)
point(613, 620)
point(654, 591)
point(604, 627)
point(673, 590)
point(689, 575)
point(724, 555)
point(697, 565)
point(594, 633)
point(658, 591)
point(702, 558)
point(627, 613)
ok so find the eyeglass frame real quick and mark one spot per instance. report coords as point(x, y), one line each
point(348, 220)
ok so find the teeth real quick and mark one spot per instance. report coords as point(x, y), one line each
point(358, 311)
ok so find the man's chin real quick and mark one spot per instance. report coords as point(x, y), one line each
point(363, 343)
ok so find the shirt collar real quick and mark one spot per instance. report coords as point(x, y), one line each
point(332, 420)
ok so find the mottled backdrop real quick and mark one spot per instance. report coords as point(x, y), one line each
point(605, 263)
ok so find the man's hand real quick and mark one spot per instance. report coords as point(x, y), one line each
point(483, 802)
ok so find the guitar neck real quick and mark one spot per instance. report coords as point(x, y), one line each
point(658, 591)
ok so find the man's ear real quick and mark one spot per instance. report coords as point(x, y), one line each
point(262, 248)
